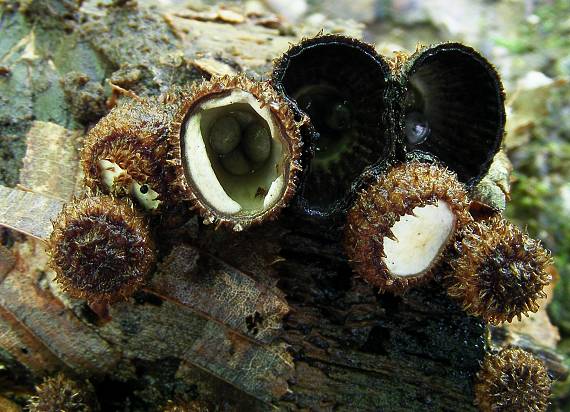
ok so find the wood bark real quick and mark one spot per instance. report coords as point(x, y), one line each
point(273, 318)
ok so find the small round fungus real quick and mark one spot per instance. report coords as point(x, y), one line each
point(101, 249)
point(512, 380)
point(126, 150)
point(500, 272)
point(400, 227)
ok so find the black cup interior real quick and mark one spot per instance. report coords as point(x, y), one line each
point(340, 84)
point(454, 109)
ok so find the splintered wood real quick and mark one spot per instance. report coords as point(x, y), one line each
point(7, 261)
point(216, 315)
point(153, 331)
point(28, 212)
point(213, 38)
point(51, 163)
point(220, 291)
point(41, 332)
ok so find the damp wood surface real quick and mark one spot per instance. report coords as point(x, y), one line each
point(273, 319)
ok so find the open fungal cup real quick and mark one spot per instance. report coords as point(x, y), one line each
point(500, 272)
point(125, 153)
point(101, 249)
point(453, 106)
point(340, 84)
point(400, 227)
point(237, 149)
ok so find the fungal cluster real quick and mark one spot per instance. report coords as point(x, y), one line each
point(387, 150)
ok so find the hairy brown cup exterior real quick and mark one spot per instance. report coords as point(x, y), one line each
point(289, 136)
point(101, 249)
point(381, 205)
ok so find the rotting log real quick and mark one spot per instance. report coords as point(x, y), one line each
point(272, 318)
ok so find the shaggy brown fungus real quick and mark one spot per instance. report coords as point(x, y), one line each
point(236, 148)
point(512, 381)
point(500, 272)
point(101, 249)
point(399, 228)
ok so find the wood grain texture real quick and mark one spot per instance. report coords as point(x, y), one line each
point(271, 319)
point(28, 212)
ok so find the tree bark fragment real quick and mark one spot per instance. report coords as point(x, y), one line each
point(272, 319)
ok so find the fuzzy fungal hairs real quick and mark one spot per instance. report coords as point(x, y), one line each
point(512, 381)
point(500, 272)
point(59, 393)
point(125, 153)
point(101, 249)
point(399, 228)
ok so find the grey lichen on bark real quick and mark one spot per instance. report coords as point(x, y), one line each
point(288, 325)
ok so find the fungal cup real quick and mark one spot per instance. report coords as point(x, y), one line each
point(232, 171)
point(339, 83)
point(452, 107)
point(400, 227)
point(125, 153)
point(237, 149)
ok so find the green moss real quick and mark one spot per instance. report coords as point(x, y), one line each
point(554, 28)
point(541, 176)
point(542, 184)
point(549, 36)
point(12, 151)
point(513, 45)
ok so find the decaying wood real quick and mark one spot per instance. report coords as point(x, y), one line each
point(51, 160)
point(272, 319)
point(495, 188)
point(153, 332)
point(206, 318)
point(7, 261)
point(220, 292)
point(25, 298)
point(28, 212)
point(195, 322)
